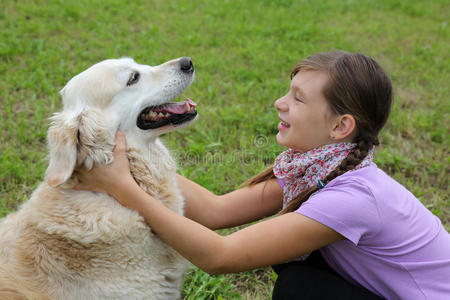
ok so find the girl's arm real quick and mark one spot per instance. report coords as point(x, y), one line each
point(269, 242)
point(235, 208)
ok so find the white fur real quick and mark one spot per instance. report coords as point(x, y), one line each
point(67, 244)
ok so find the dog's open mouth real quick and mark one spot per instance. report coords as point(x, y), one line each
point(174, 113)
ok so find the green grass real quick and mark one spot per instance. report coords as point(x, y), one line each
point(243, 52)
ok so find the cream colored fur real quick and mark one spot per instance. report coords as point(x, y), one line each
point(67, 244)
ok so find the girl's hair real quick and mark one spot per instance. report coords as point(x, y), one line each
point(358, 86)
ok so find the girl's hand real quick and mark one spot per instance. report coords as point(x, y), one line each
point(108, 178)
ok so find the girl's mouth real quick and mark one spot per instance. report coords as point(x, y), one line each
point(283, 125)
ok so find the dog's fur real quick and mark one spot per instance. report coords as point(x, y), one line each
point(68, 244)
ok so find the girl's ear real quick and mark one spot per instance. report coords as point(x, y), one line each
point(343, 128)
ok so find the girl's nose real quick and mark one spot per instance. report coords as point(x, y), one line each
point(280, 104)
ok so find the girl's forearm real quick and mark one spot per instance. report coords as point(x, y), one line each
point(198, 244)
point(235, 208)
point(200, 203)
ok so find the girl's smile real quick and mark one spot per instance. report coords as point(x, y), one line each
point(283, 125)
point(306, 118)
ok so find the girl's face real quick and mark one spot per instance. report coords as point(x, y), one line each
point(306, 118)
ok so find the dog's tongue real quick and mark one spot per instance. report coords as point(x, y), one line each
point(178, 107)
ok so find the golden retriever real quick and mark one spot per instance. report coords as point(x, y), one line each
point(68, 244)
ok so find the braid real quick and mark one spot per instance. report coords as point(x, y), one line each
point(349, 163)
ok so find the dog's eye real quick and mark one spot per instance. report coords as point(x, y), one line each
point(134, 78)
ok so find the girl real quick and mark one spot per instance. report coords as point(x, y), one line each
point(374, 238)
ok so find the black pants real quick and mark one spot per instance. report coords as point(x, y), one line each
point(314, 279)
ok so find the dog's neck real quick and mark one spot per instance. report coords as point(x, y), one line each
point(154, 170)
point(154, 155)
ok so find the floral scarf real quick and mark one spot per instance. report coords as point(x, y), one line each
point(300, 171)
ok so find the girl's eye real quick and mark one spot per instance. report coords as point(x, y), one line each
point(298, 99)
point(134, 78)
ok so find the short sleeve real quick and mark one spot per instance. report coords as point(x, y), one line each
point(348, 207)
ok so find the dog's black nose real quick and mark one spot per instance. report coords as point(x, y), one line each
point(186, 65)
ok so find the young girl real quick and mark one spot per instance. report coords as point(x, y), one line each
point(374, 238)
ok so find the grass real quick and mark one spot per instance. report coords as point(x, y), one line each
point(243, 52)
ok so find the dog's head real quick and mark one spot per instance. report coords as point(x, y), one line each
point(116, 94)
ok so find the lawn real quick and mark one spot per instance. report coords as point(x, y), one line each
point(243, 52)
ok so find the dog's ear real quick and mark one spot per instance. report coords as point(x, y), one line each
point(63, 141)
point(78, 139)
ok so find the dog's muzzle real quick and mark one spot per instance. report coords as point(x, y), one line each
point(174, 113)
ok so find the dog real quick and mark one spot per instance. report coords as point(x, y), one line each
point(69, 244)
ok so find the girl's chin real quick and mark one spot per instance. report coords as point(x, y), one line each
point(280, 139)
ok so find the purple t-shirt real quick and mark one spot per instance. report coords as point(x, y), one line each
point(394, 246)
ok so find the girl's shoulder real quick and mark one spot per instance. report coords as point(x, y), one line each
point(361, 175)
point(367, 203)
point(370, 179)
point(372, 185)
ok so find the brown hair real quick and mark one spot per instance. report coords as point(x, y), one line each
point(358, 86)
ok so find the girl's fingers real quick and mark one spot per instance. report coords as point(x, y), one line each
point(121, 143)
point(99, 178)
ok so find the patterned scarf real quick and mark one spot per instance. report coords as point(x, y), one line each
point(300, 171)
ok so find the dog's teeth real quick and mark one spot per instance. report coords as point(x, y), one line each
point(160, 115)
point(166, 115)
point(153, 114)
